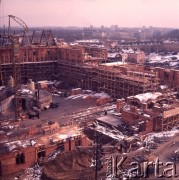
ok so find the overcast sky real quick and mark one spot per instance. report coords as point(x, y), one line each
point(125, 13)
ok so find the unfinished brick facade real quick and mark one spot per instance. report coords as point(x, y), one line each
point(22, 154)
point(11, 162)
point(74, 54)
point(143, 111)
point(168, 77)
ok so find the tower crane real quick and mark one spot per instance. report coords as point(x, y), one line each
point(16, 61)
point(22, 24)
point(14, 47)
point(19, 21)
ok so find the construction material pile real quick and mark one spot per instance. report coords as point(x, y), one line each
point(101, 98)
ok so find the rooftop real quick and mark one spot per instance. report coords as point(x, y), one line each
point(148, 96)
point(111, 120)
point(114, 63)
point(61, 134)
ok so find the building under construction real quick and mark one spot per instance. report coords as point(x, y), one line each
point(76, 66)
point(39, 56)
point(98, 78)
point(43, 63)
point(152, 111)
point(144, 105)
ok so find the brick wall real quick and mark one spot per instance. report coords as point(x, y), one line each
point(50, 149)
point(8, 161)
point(129, 118)
point(149, 126)
point(73, 144)
point(168, 77)
point(85, 141)
point(120, 104)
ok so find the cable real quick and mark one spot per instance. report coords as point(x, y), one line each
point(2, 15)
point(3, 12)
point(0, 11)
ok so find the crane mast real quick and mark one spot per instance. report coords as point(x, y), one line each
point(14, 48)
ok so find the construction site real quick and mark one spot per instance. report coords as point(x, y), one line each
point(64, 108)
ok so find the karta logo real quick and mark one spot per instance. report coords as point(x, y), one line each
point(118, 168)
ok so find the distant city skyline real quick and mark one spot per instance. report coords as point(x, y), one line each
point(83, 13)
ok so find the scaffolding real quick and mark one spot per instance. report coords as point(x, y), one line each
point(169, 123)
point(32, 70)
point(97, 78)
point(170, 117)
point(109, 80)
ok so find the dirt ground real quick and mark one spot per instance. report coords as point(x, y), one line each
point(73, 109)
point(163, 152)
point(69, 165)
point(66, 107)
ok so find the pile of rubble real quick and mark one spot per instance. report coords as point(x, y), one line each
point(34, 173)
